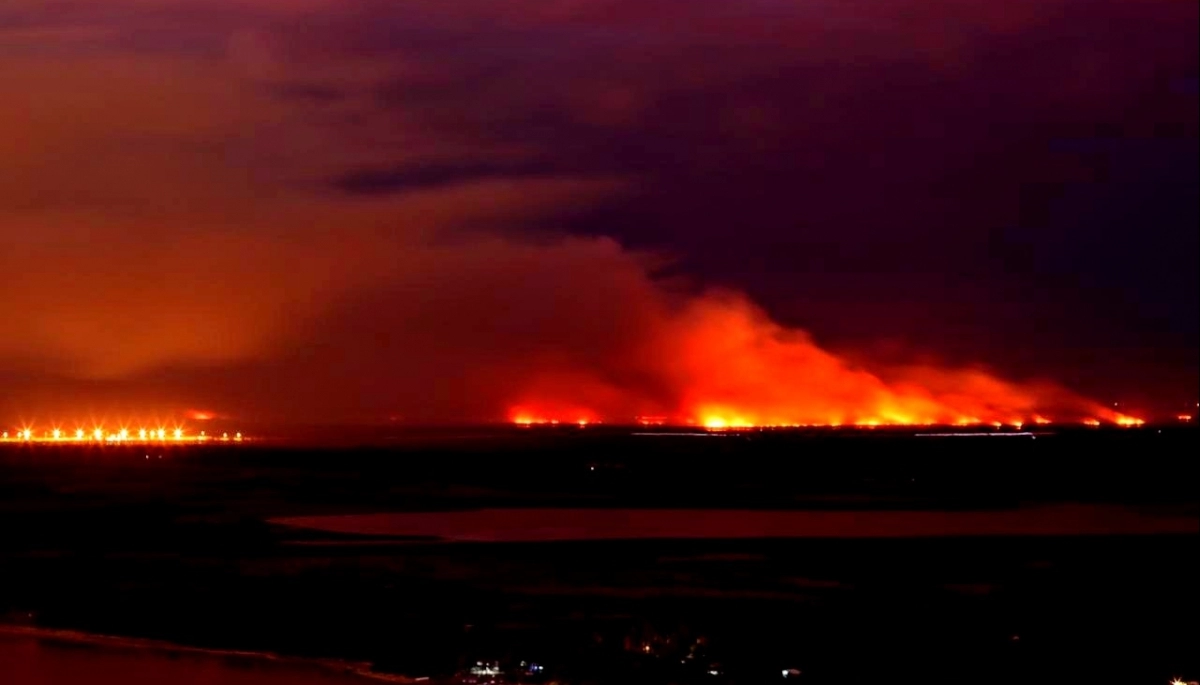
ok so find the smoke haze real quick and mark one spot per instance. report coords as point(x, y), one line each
point(298, 212)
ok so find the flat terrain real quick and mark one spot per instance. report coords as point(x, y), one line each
point(611, 558)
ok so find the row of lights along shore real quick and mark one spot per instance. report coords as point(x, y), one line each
point(123, 436)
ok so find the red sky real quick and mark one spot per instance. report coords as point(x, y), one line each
point(351, 211)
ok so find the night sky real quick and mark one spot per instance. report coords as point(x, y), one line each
point(311, 210)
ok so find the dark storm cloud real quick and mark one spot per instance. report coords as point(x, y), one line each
point(315, 93)
point(381, 181)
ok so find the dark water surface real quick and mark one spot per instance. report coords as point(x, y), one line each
point(857, 558)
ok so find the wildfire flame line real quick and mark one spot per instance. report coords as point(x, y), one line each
point(716, 422)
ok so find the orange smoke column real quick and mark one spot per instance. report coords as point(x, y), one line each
point(722, 363)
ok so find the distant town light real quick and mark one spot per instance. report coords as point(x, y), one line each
point(98, 434)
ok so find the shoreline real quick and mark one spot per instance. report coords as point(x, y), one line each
point(361, 669)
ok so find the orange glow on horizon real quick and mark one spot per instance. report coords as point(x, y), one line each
point(525, 418)
point(650, 420)
point(715, 423)
point(733, 422)
point(721, 363)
